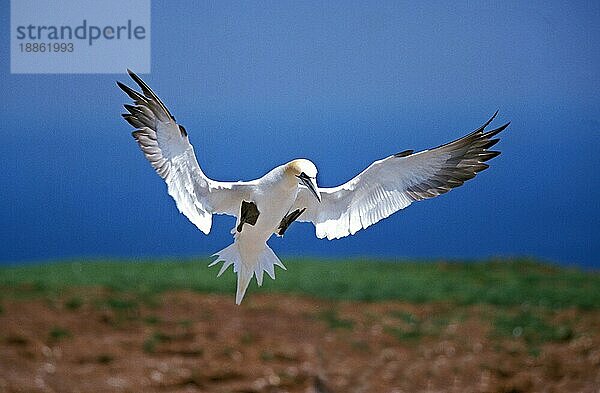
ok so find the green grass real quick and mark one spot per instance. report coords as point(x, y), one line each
point(499, 282)
point(410, 327)
point(333, 321)
point(151, 342)
point(152, 320)
point(119, 304)
point(531, 326)
point(74, 303)
point(58, 333)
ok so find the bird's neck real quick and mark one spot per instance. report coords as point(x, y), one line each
point(284, 181)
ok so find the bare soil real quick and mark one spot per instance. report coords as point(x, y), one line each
point(95, 341)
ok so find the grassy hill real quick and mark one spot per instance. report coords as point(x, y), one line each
point(510, 325)
point(498, 282)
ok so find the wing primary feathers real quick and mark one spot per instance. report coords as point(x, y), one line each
point(474, 134)
point(393, 183)
point(130, 108)
point(165, 145)
point(148, 92)
point(495, 132)
point(134, 95)
point(487, 123)
point(131, 119)
point(468, 155)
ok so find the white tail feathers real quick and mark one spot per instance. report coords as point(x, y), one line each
point(255, 261)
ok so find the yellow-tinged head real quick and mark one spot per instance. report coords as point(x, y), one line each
point(301, 165)
point(306, 172)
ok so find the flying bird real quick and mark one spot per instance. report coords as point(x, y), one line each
point(290, 192)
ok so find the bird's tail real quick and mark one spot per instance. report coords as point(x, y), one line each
point(247, 260)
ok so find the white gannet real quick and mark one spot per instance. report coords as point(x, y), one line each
point(289, 192)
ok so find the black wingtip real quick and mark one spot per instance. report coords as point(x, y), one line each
point(134, 95)
point(491, 118)
point(133, 76)
point(148, 92)
point(496, 131)
point(136, 78)
point(145, 88)
point(130, 119)
point(487, 123)
point(125, 88)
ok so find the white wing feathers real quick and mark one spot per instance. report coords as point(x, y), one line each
point(393, 183)
point(166, 146)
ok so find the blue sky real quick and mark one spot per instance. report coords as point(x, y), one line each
point(341, 83)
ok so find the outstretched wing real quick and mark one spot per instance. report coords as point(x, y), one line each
point(393, 183)
point(166, 145)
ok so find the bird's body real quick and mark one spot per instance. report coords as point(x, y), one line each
point(272, 195)
point(289, 192)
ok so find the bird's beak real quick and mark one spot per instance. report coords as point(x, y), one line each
point(311, 184)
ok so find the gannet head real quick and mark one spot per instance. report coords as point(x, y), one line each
point(306, 172)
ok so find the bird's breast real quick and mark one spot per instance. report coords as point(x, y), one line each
point(273, 204)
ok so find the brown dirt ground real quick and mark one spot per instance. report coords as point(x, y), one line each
point(191, 342)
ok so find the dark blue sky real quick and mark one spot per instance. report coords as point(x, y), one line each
point(341, 83)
